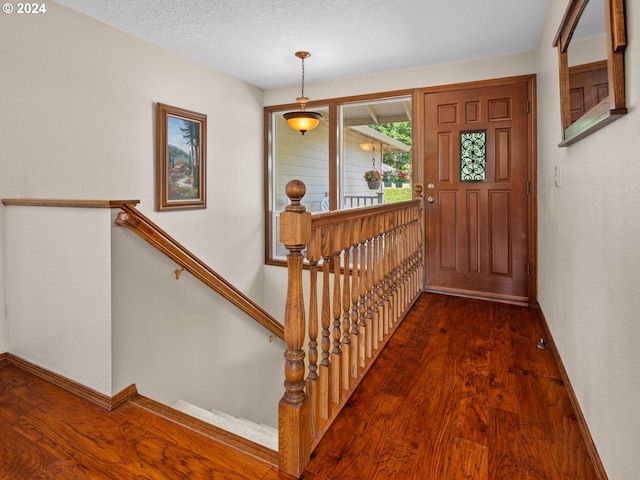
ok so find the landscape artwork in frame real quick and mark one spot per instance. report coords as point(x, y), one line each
point(181, 165)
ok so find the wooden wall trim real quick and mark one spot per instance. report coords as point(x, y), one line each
point(71, 386)
point(582, 423)
point(40, 202)
point(123, 396)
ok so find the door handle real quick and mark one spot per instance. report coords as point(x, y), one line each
point(431, 199)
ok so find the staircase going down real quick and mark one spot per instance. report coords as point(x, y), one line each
point(258, 433)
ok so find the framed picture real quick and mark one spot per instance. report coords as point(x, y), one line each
point(181, 165)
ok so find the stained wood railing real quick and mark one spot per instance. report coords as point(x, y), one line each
point(365, 272)
point(135, 221)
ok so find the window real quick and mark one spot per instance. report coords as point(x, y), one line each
point(355, 136)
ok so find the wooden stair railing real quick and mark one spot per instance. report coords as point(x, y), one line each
point(370, 262)
point(135, 221)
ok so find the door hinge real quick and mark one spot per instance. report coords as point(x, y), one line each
point(528, 107)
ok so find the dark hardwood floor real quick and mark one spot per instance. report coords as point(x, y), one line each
point(461, 392)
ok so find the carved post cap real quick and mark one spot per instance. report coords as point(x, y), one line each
point(295, 190)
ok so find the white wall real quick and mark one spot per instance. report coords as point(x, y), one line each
point(471, 70)
point(59, 291)
point(178, 340)
point(589, 254)
point(78, 121)
point(4, 341)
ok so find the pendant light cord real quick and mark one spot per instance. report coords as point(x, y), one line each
point(302, 94)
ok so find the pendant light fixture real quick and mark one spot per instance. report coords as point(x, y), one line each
point(301, 120)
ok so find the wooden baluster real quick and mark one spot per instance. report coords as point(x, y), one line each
point(346, 306)
point(397, 255)
point(401, 257)
point(409, 258)
point(294, 429)
point(312, 377)
point(414, 252)
point(393, 288)
point(381, 281)
point(355, 278)
point(385, 279)
point(375, 315)
point(410, 251)
point(388, 291)
point(385, 273)
point(379, 287)
point(416, 255)
point(375, 280)
point(412, 259)
point(419, 220)
point(362, 293)
point(402, 266)
point(370, 318)
point(336, 356)
point(325, 317)
point(405, 263)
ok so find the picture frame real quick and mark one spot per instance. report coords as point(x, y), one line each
point(181, 181)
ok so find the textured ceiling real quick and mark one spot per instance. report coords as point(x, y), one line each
point(255, 40)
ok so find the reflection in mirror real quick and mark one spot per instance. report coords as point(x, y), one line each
point(587, 59)
point(591, 41)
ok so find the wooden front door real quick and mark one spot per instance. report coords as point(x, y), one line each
point(477, 178)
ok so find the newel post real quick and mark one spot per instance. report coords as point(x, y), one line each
point(294, 427)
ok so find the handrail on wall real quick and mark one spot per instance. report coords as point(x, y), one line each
point(135, 221)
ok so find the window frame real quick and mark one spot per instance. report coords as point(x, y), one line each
point(335, 137)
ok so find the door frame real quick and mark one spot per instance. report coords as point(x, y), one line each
point(532, 167)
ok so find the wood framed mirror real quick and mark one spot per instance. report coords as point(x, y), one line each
point(591, 41)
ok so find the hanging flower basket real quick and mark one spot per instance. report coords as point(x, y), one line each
point(373, 179)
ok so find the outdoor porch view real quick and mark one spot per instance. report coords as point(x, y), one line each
point(370, 165)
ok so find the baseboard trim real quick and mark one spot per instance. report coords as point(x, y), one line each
point(205, 429)
point(71, 386)
point(584, 428)
point(511, 300)
point(123, 396)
